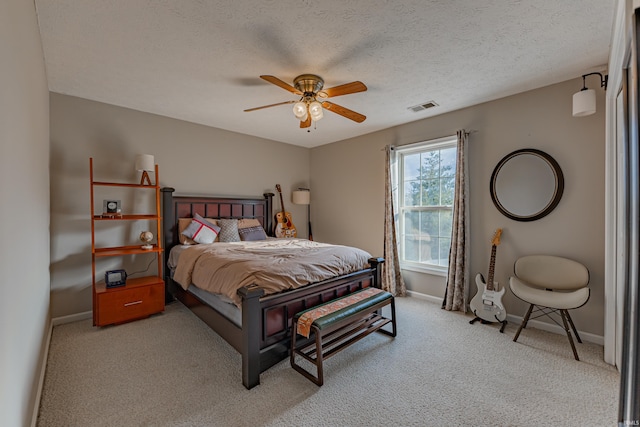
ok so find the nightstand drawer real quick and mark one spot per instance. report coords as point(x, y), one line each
point(119, 305)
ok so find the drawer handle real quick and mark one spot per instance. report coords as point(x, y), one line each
point(133, 303)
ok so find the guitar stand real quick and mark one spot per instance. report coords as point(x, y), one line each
point(486, 322)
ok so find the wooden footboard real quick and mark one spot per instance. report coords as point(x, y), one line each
point(266, 322)
point(264, 338)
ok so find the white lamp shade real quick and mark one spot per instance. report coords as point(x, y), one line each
point(584, 103)
point(145, 162)
point(301, 197)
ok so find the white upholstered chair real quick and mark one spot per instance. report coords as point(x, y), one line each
point(550, 284)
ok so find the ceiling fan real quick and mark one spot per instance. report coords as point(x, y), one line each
point(308, 108)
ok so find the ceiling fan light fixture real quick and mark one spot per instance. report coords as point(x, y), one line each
point(310, 105)
point(315, 110)
point(300, 110)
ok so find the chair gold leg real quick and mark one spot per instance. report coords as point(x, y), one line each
point(524, 323)
point(566, 328)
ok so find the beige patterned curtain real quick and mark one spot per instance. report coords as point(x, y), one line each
point(392, 280)
point(456, 293)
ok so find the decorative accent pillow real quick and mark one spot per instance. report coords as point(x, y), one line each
point(183, 223)
point(248, 222)
point(252, 233)
point(228, 230)
point(201, 230)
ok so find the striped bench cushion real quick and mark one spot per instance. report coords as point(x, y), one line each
point(333, 311)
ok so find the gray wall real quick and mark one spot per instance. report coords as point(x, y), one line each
point(200, 160)
point(347, 197)
point(194, 159)
point(347, 182)
point(24, 210)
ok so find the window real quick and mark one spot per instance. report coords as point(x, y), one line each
point(426, 184)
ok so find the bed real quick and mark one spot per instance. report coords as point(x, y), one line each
point(260, 329)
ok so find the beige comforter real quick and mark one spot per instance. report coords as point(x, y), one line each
point(274, 265)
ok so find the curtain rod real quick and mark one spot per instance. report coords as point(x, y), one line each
point(467, 133)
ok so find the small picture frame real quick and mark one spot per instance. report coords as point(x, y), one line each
point(111, 208)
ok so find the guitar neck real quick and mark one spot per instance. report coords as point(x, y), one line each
point(492, 266)
point(281, 202)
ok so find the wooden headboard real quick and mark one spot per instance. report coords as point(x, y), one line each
point(175, 207)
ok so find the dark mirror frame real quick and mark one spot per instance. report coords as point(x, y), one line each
point(557, 194)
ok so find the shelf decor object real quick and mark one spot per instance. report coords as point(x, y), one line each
point(145, 164)
point(146, 237)
point(111, 209)
point(133, 297)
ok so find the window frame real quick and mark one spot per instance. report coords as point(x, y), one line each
point(401, 152)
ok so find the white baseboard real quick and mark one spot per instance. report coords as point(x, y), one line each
point(71, 318)
point(552, 327)
point(43, 370)
point(419, 295)
point(516, 320)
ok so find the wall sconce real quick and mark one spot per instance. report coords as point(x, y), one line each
point(145, 164)
point(584, 102)
point(302, 196)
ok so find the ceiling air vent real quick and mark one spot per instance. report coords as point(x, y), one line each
point(421, 107)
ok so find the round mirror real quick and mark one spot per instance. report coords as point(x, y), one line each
point(526, 185)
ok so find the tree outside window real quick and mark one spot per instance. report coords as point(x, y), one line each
point(426, 184)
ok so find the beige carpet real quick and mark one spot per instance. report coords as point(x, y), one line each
point(172, 370)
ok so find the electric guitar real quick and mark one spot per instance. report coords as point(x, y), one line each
point(284, 225)
point(487, 303)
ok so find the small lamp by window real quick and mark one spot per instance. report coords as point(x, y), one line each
point(302, 196)
point(145, 164)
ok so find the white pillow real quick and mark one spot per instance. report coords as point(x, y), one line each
point(201, 230)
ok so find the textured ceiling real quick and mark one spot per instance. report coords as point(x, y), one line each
point(200, 60)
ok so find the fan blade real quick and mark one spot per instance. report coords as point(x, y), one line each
point(344, 89)
point(306, 123)
point(345, 112)
point(270, 105)
point(286, 86)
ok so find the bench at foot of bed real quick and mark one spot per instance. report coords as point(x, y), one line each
point(338, 324)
